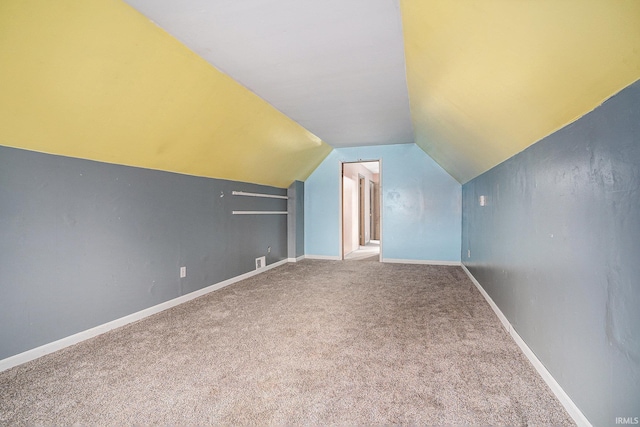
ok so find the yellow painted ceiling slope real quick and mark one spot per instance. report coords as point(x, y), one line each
point(489, 78)
point(94, 79)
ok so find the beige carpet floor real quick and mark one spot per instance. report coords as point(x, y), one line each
point(310, 343)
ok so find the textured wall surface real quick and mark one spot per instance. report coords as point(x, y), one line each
point(84, 243)
point(421, 204)
point(557, 247)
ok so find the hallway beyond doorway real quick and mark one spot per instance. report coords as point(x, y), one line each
point(360, 205)
point(370, 249)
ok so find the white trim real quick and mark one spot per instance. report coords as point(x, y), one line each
point(562, 396)
point(503, 319)
point(325, 257)
point(420, 261)
point(340, 205)
point(269, 196)
point(259, 212)
point(349, 253)
point(43, 350)
point(32, 354)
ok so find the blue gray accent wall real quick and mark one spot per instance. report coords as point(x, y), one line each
point(83, 243)
point(421, 205)
point(557, 247)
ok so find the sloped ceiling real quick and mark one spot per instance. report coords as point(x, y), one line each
point(94, 79)
point(334, 66)
point(489, 78)
point(484, 79)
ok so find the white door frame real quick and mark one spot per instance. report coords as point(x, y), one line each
point(340, 207)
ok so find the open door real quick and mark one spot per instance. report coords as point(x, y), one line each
point(360, 210)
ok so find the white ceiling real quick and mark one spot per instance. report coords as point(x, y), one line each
point(334, 66)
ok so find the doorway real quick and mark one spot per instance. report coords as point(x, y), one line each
point(361, 210)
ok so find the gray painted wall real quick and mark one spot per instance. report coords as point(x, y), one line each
point(83, 243)
point(557, 247)
point(295, 242)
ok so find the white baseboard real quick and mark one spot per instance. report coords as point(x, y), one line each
point(562, 396)
point(420, 261)
point(326, 257)
point(32, 354)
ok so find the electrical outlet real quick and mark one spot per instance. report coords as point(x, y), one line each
point(183, 272)
point(468, 253)
point(260, 262)
point(269, 249)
